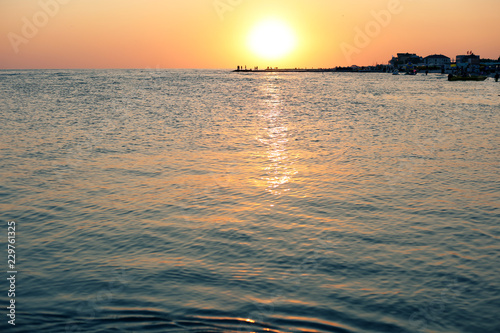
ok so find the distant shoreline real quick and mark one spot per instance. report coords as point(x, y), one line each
point(285, 70)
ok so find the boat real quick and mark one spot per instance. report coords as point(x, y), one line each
point(466, 78)
point(396, 72)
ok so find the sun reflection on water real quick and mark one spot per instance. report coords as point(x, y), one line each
point(279, 170)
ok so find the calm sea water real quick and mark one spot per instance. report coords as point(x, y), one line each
point(208, 201)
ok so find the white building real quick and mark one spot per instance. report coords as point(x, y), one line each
point(437, 60)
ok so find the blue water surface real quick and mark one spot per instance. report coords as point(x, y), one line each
point(210, 201)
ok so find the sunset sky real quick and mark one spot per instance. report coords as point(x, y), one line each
point(227, 33)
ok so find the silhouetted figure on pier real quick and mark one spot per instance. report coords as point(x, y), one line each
point(496, 77)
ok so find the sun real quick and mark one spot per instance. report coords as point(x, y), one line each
point(271, 39)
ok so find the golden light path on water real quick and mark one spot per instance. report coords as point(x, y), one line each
point(234, 202)
point(280, 169)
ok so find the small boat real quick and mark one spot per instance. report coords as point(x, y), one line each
point(396, 72)
point(466, 78)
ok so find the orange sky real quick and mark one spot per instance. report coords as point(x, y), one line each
point(214, 33)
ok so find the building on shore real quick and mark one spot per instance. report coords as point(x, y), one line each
point(490, 65)
point(470, 59)
point(469, 63)
point(406, 61)
point(437, 60)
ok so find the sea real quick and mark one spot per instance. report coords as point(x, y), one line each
point(155, 200)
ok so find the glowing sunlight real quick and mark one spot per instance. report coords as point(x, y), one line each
point(272, 39)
